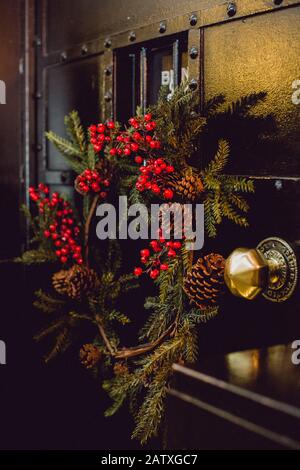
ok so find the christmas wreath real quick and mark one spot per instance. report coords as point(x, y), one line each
point(156, 157)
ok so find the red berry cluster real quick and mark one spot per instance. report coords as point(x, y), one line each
point(153, 262)
point(152, 178)
point(58, 224)
point(92, 181)
point(139, 138)
point(100, 135)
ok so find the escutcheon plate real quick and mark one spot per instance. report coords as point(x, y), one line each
point(281, 254)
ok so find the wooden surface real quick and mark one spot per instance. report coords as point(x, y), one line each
point(241, 400)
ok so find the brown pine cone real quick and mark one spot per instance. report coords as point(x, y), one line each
point(120, 368)
point(76, 282)
point(204, 283)
point(89, 355)
point(188, 186)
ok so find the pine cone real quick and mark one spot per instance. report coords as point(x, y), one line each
point(89, 355)
point(188, 186)
point(75, 282)
point(120, 368)
point(205, 281)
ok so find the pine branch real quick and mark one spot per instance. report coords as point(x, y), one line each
point(71, 153)
point(75, 130)
point(36, 257)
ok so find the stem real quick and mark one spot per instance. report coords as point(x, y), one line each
point(125, 353)
point(87, 228)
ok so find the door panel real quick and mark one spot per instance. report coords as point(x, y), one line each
point(260, 54)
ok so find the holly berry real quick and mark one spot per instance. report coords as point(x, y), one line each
point(138, 159)
point(145, 252)
point(154, 273)
point(148, 117)
point(138, 272)
point(168, 194)
point(164, 267)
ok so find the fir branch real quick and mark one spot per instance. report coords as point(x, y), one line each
point(39, 256)
point(75, 130)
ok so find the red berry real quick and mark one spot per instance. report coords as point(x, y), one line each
point(171, 253)
point(144, 259)
point(93, 128)
point(148, 138)
point(101, 128)
point(134, 147)
point(103, 194)
point(176, 245)
point(168, 194)
point(154, 273)
point(148, 117)
point(152, 144)
point(127, 151)
point(113, 151)
point(132, 121)
point(155, 188)
point(138, 272)
point(137, 136)
point(63, 259)
point(58, 253)
point(47, 233)
point(170, 169)
point(148, 126)
point(164, 267)
point(95, 187)
point(80, 261)
point(145, 252)
point(106, 183)
point(169, 244)
point(110, 125)
point(57, 243)
point(138, 159)
point(52, 228)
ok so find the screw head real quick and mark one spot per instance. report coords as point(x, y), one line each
point(108, 96)
point(84, 49)
point(278, 2)
point(193, 52)
point(162, 27)
point(107, 43)
point(132, 36)
point(193, 19)
point(108, 71)
point(39, 147)
point(193, 84)
point(231, 9)
point(63, 56)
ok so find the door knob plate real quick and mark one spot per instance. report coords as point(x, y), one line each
point(283, 269)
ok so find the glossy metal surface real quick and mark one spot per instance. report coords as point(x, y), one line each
point(270, 269)
point(246, 273)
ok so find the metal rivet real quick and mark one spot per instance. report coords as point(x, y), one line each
point(278, 2)
point(108, 96)
point(63, 56)
point(278, 185)
point(231, 9)
point(193, 52)
point(193, 19)
point(107, 43)
point(38, 95)
point(193, 84)
point(84, 49)
point(38, 147)
point(162, 27)
point(132, 36)
point(37, 41)
point(108, 71)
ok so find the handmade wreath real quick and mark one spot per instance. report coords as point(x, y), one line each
point(157, 157)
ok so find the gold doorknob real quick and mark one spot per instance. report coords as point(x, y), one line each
point(270, 269)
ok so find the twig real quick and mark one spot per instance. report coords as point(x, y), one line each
point(125, 353)
point(103, 334)
point(87, 228)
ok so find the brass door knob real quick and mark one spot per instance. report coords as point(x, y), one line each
point(270, 269)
